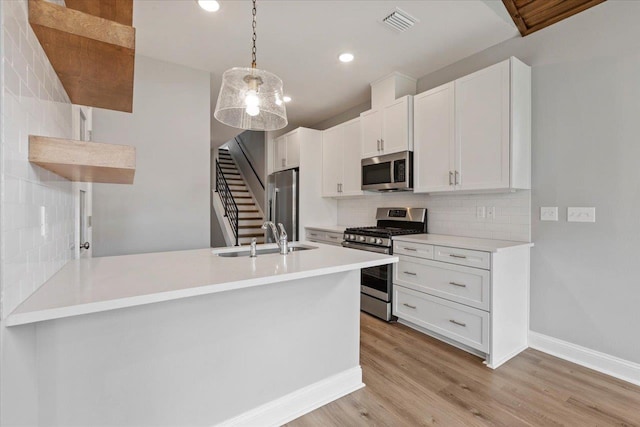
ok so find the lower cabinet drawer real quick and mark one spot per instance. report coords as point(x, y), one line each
point(334, 237)
point(328, 237)
point(466, 257)
point(413, 249)
point(315, 235)
point(466, 325)
point(469, 286)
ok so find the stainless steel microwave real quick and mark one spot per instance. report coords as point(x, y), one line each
point(391, 172)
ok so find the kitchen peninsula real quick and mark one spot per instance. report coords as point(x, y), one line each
point(195, 338)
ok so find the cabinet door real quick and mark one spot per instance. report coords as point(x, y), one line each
point(280, 153)
point(332, 162)
point(397, 134)
point(292, 150)
point(434, 140)
point(351, 150)
point(482, 128)
point(371, 123)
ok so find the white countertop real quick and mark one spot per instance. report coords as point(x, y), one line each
point(486, 245)
point(100, 284)
point(330, 228)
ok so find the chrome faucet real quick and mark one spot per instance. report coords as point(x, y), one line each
point(281, 238)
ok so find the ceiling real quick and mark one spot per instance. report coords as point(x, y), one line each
point(299, 40)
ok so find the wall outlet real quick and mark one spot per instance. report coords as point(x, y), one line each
point(481, 212)
point(581, 214)
point(549, 213)
point(491, 212)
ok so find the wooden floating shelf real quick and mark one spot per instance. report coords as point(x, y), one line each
point(84, 161)
point(93, 56)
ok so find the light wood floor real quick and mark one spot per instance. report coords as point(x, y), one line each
point(415, 380)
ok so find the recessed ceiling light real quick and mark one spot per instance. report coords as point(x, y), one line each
point(346, 57)
point(209, 5)
point(286, 98)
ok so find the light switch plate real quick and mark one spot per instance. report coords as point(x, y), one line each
point(491, 213)
point(581, 214)
point(549, 213)
point(481, 212)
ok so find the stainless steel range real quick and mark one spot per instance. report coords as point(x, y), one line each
point(376, 282)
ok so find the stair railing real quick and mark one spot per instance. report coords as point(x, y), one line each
point(228, 202)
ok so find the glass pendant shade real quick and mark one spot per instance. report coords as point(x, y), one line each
point(251, 99)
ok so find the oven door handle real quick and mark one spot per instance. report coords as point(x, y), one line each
point(368, 248)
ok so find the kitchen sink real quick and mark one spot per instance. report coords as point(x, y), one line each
point(293, 247)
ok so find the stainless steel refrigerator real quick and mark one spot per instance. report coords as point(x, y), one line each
point(282, 205)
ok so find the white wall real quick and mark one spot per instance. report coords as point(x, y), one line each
point(167, 207)
point(36, 221)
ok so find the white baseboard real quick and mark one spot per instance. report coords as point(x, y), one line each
point(300, 402)
point(601, 362)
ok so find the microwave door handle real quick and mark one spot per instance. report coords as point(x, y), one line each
point(393, 172)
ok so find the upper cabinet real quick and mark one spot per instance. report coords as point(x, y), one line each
point(91, 46)
point(475, 133)
point(341, 150)
point(286, 150)
point(388, 129)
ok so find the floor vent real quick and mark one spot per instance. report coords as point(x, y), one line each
point(399, 20)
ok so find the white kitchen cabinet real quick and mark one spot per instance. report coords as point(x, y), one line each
point(472, 299)
point(389, 129)
point(341, 149)
point(434, 140)
point(286, 151)
point(479, 127)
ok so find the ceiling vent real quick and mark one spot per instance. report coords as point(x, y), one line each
point(399, 20)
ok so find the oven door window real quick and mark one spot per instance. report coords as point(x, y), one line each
point(376, 174)
point(378, 279)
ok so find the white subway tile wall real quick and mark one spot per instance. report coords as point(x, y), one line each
point(37, 214)
point(452, 214)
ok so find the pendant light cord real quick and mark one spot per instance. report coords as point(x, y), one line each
point(255, 37)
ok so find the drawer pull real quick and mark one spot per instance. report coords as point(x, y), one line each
point(313, 234)
point(410, 249)
point(409, 273)
point(458, 323)
point(332, 237)
point(409, 305)
point(457, 256)
point(458, 284)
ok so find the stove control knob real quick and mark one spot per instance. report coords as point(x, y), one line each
point(372, 240)
point(352, 237)
point(379, 241)
point(362, 238)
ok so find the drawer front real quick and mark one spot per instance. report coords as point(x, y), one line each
point(469, 286)
point(460, 323)
point(466, 257)
point(328, 237)
point(335, 238)
point(413, 249)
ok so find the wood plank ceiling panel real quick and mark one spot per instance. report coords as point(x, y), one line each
point(533, 15)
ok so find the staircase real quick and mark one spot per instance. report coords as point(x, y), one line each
point(250, 219)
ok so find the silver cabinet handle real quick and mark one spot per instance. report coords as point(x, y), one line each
point(333, 237)
point(450, 178)
point(337, 188)
point(458, 284)
point(409, 305)
point(313, 234)
point(283, 162)
point(409, 273)
point(410, 249)
point(457, 177)
point(378, 141)
point(457, 256)
point(340, 187)
point(458, 323)
point(85, 245)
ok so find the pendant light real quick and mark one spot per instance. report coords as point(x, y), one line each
point(251, 98)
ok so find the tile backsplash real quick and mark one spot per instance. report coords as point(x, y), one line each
point(37, 213)
point(453, 214)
